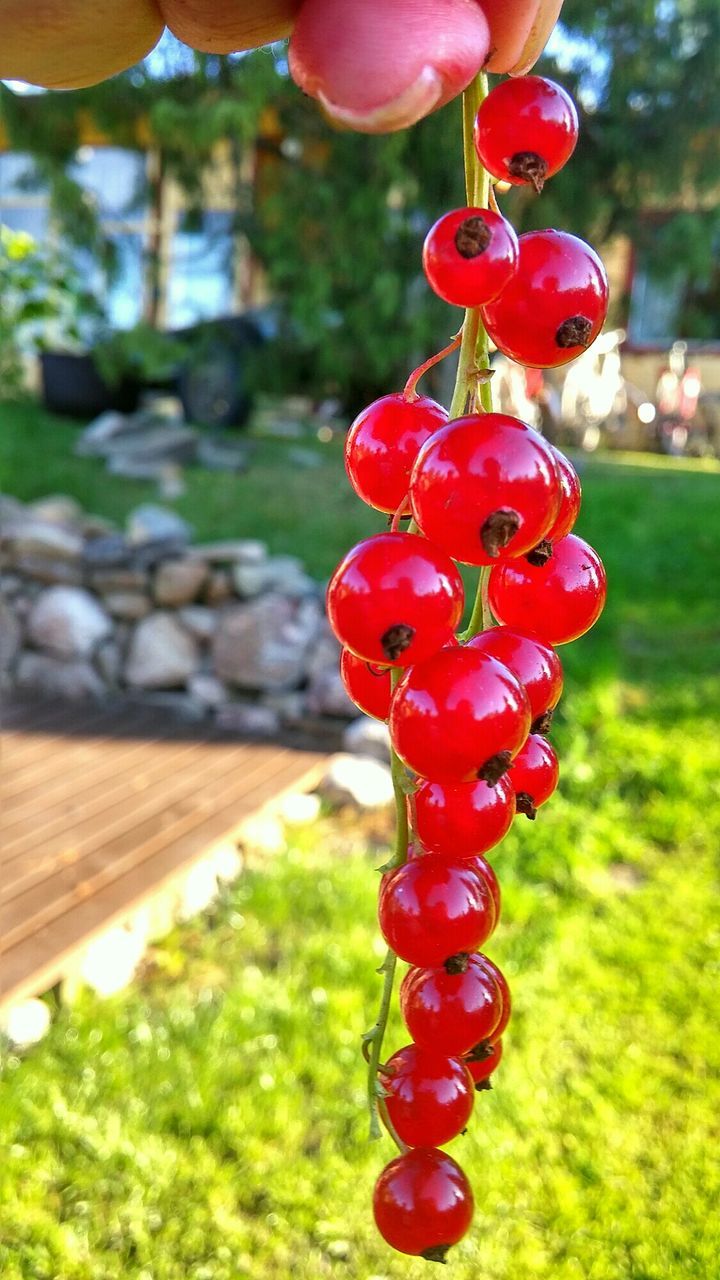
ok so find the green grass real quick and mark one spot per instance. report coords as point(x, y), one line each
point(210, 1124)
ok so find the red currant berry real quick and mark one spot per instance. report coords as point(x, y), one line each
point(571, 498)
point(382, 445)
point(369, 686)
point(526, 130)
point(485, 488)
point(423, 1203)
point(559, 600)
point(482, 868)
point(395, 599)
point(465, 819)
point(498, 977)
point(432, 907)
point(482, 1060)
point(533, 663)
point(459, 717)
point(429, 1096)
point(469, 255)
point(554, 306)
point(534, 774)
point(454, 1005)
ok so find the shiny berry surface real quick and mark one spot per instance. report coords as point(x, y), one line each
point(496, 975)
point(482, 867)
point(559, 600)
point(395, 599)
point(554, 306)
point(526, 130)
point(432, 907)
point(458, 717)
point(458, 821)
point(534, 774)
point(469, 255)
point(429, 1098)
point(485, 488)
point(452, 1010)
point(571, 497)
point(382, 445)
point(531, 661)
point(482, 1061)
point(423, 1203)
point(368, 686)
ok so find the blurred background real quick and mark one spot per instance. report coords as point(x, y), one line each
point(190, 249)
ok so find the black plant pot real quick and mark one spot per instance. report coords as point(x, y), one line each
point(72, 386)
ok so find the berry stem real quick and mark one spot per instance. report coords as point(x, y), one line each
point(410, 390)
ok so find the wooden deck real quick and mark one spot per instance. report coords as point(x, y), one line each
point(100, 809)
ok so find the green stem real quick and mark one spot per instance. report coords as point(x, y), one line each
point(375, 1039)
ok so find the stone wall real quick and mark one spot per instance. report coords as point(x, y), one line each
point(222, 630)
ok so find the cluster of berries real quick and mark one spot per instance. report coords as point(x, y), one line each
point(467, 715)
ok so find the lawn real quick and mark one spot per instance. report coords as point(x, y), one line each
point(209, 1124)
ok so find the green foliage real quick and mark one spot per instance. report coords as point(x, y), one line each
point(210, 1124)
point(141, 353)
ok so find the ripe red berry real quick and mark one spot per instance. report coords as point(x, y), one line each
point(482, 1061)
point(382, 445)
point(570, 500)
point(469, 255)
point(458, 717)
point(532, 662)
point(554, 306)
point(464, 819)
point(534, 774)
point(496, 975)
point(482, 868)
point(430, 908)
point(453, 1009)
point(485, 488)
point(429, 1097)
point(395, 599)
point(369, 687)
point(423, 1203)
point(526, 129)
point(559, 600)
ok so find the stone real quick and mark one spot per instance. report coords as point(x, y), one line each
point(218, 588)
point(162, 654)
point(101, 431)
point(232, 551)
point(109, 551)
point(68, 622)
point(222, 455)
point(75, 680)
point(150, 523)
point(94, 526)
point(264, 644)
point(108, 661)
point(208, 690)
point(176, 703)
point(26, 536)
point(326, 695)
point(200, 621)
point(11, 509)
point(249, 580)
point(10, 636)
point(368, 737)
point(179, 582)
point(152, 445)
point(357, 780)
point(287, 574)
point(26, 1023)
point(248, 718)
point(66, 573)
point(57, 508)
point(130, 605)
point(303, 458)
point(105, 581)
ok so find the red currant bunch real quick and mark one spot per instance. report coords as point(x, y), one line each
point(467, 713)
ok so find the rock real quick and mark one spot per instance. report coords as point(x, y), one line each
point(101, 431)
point(176, 703)
point(326, 695)
point(249, 579)
point(11, 509)
point(48, 677)
point(264, 644)
point(26, 1023)
point(200, 621)
point(108, 661)
point(153, 445)
point(218, 588)
point(10, 636)
point(305, 459)
point(222, 455)
point(66, 573)
point(26, 536)
point(368, 737)
point(232, 551)
point(131, 605)
point(248, 718)
point(287, 574)
point(162, 654)
point(94, 526)
point(67, 621)
point(109, 551)
point(150, 523)
point(208, 690)
point(357, 780)
point(57, 509)
point(105, 581)
point(162, 406)
point(10, 584)
point(179, 582)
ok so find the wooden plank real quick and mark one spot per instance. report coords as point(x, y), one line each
point(39, 961)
